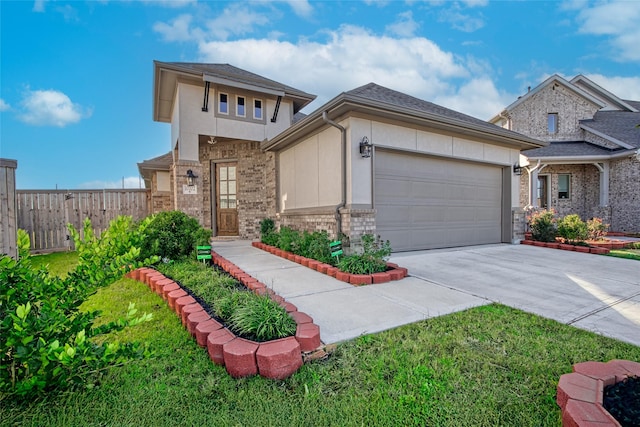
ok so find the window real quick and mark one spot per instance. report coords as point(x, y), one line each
point(564, 186)
point(240, 106)
point(223, 103)
point(552, 122)
point(542, 192)
point(257, 109)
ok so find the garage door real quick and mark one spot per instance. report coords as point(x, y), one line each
point(424, 202)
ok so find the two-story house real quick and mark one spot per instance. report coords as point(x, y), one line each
point(370, 160)
point(592, 163)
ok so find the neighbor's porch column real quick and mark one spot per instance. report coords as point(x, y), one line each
point(604, 182)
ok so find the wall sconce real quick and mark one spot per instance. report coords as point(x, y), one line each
point(365, 147)
point(191, 178)
point(517, 169)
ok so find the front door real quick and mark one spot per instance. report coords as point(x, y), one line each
point(542, 191)
point(227, 202)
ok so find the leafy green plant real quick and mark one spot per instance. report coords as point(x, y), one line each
point(572, 229)
point(372, 259)
point(542, 224)
point(596, 229)
point(317, 247)
point(173, 235)
point(263, 318)
point(45, 341)
point(289, 239)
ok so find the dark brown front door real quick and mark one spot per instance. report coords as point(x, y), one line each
point(227, 202)
point(542, 191)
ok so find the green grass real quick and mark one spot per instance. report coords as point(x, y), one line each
point(626, 253)
point(486, 366)
point(58, 263)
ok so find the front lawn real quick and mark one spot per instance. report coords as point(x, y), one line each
point(486, 366)
point(632, 253)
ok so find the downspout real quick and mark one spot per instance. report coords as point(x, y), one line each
point(529, 171)
point(343, 202)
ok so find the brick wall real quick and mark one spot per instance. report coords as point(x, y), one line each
point(309, 221)
point(256, 183)
point(160, 200)
point(624, 196)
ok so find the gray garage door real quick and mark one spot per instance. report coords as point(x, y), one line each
point(425, 202)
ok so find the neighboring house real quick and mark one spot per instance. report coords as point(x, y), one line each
point(592, 165)
point(371, 160)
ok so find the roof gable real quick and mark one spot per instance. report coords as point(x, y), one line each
point(611, 100)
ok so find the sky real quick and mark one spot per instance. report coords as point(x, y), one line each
point(76, 77)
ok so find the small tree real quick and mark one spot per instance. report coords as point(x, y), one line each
point(173, 235)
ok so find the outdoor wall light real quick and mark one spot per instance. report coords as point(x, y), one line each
point(517, 169)
point(365, 147)
point(191, 178)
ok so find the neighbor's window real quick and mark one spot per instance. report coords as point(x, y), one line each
point(223, 103)
point(240, 106)
point(564, 186)
point(552, 122)
point(257, 109)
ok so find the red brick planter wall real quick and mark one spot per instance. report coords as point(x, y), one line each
point(394, 272)
point(580, 393)
point(277, 359)
point(599, 250)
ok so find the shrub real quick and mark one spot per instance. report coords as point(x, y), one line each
point(596, 229)
point(372, 259)
point(173, 235)
point(317, 247)
point(572, 229)
point(542, 224)
point(268, 233)
point(289, 239)
point(45, 341)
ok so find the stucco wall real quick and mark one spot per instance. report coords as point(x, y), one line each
point(530, 117)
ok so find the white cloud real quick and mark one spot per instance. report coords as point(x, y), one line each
point(177, 30)
point(352, 56)
point(4, 106)
point(460, 21)
point(620, 20)
point(170, 3)
point(301, 8)
point(38, 5)
point(125, 182)
point(405, 26)
point(237, 19)
point(50, 108)
point(623, 87)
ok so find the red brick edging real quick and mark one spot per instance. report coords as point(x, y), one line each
point(394, 273)
point(580, 393)
point(277, 359)
point(599, 250)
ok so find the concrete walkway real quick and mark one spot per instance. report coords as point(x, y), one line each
point(596, 293)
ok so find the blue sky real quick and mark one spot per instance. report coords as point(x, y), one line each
point(76, 76)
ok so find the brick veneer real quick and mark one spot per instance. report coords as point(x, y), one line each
point(580, 393)
point(277, 359)
point(394, 273)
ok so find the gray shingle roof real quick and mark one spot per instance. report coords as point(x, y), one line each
point(634, 104)
point(620, 125)
point(379, 93)
point(568, 149)
point(230, 72)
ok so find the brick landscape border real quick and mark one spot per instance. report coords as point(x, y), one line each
point(580, 393)
point(277, 359)
point(393, 273)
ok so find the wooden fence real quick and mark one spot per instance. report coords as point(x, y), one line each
point(8, 207)
point(44, 214)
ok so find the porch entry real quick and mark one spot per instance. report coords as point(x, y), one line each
point(226, 199)
point(542, 191)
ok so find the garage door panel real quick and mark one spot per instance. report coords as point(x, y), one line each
point(426, 202)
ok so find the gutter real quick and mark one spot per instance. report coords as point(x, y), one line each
point(343, 202)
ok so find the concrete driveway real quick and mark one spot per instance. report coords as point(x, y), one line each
point(592, 292)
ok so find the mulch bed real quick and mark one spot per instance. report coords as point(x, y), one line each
point(622, 400)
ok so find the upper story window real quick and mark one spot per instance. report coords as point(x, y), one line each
point(240, 106)
point(552, 122)
point(564, 186)
point(223, 103)
point(257, 109)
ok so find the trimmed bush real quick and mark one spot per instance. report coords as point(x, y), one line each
point(572, 229)
point(268, 233)
point(372, 259)
point(542, 224)
point(596, 229)
point(173, 235)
